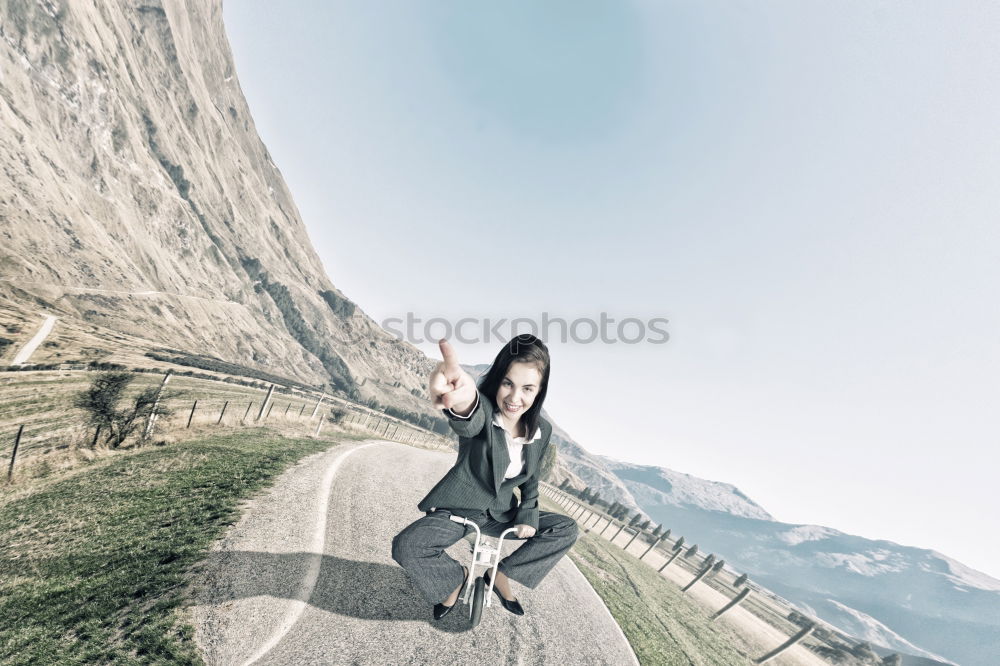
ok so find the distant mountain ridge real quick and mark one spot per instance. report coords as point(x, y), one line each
point(658, 485)
point(927, 606)
point(913, 600)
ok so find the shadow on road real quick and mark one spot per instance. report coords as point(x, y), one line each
point(365, 590)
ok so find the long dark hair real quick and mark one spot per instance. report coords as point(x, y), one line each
point(525, 348)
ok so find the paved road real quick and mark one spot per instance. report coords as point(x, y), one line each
point(306, 577)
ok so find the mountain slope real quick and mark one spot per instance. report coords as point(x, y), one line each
point(137, 197)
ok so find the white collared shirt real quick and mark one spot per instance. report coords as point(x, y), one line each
point(515, 445)
point(515, 448)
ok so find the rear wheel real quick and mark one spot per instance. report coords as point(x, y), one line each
point(478, 592)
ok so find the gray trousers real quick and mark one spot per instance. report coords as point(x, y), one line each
point(419, 549)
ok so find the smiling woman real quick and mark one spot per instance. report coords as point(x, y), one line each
point(492, 461)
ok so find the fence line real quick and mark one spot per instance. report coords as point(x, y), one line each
point(767, 606)
point(56, 423)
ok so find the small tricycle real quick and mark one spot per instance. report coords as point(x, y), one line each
point(484, 555)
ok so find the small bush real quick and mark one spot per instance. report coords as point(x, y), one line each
point(100, 402)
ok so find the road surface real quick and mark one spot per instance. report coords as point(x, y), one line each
point(307, 577)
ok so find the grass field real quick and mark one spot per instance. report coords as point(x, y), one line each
point(93, 559)
point(663, 625)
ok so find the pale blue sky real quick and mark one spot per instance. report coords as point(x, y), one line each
point(808, 192)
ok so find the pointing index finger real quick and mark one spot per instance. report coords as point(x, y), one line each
point(448, 355)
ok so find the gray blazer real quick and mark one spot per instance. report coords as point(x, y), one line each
point(475, 482)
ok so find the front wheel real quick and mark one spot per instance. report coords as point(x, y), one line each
point(478, 593)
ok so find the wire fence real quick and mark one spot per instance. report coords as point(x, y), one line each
point(38, 413)
point(694, 568)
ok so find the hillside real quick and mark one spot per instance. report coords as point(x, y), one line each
point(138, 199)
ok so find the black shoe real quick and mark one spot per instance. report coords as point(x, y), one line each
point(440, 610)
point(513, 606)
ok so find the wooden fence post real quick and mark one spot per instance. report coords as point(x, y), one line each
point(246, 413)
point(316, 408)
point(655, 543)
point(302, 410)
point(673, 556)
point(97, 433)
point(632, 539)
point(13, 455)
point(285, 415)
point(222, 413)
point(269, 411)
point(156, 402)
point(707, 566)
point(263, 405)
point(744, 593)
point(787, 644)
point(191, 415)
point(624, 525)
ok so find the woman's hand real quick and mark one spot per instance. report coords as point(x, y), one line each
point(450, 386)
point(524, 531)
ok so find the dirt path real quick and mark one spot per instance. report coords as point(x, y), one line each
point(35, 342)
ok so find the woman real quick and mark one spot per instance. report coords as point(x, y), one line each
point(502, 442)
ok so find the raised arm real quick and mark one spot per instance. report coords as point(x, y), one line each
point(454, 392)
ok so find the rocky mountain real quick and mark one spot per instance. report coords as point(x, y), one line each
point(656, 485)
point(912, 600)
point(138, 199)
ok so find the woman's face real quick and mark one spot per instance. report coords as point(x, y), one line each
point(518, 389)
